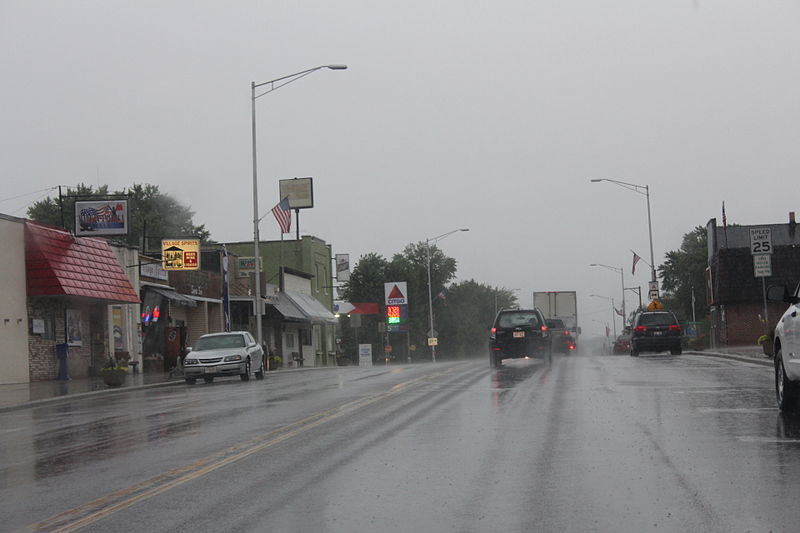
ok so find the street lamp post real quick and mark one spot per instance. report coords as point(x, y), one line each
point(645, 190)
point(430, 292)
point(622, 279)
point(613, 311)
point(272, 87)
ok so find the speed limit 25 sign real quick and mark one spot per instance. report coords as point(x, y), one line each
point(760, 241)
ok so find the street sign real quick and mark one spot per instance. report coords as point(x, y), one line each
point(760, 241)
point(364, 355)
point(652, 293)
point(762, 264)
point(433, 341)
point(433, 333)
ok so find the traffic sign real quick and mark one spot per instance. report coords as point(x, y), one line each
point(433, 341)
point(433, 333)
point(760, 241)
point(762, 264)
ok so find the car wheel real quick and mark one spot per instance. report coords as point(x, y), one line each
point(246, 375)
point(260, 371)
point(495, 361)
point(676, 351)
point(208, 379)
point(785, 390)
point(191, 381)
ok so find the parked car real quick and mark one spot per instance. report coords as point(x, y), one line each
point(656, 331)
point(518, 333)
point(786, 352)
point(233, 353)
point(622, 344)
point(563, 341)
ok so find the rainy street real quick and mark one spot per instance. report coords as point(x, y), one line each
point(589, 443)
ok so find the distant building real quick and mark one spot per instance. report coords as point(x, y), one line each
point(734, 294)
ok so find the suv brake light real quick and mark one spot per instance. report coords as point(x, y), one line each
point(494, 330)
point(641, 329)
point(566, 333)
point(674, 327)
point(544, 328)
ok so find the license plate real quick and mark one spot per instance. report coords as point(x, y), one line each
point(209, 370)
point(658, 333)
point(519, 334)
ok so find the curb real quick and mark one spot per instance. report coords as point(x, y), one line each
point(81, 395)
point(733, 357)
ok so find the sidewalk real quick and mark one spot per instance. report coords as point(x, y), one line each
point(750, 354)
point(45, 392)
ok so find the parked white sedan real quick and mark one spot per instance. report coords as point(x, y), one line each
point(224, 354)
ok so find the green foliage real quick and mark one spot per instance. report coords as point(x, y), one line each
point(151, 211)
point(684, 269)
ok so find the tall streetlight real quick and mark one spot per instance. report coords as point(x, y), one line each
point(613, 311)
point(645, 190)
point(622, 279)
point(253, 96)
point(430, 292)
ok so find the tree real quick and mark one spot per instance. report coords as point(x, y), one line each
point(468, 313)
point(685, 269)
point(151, 214)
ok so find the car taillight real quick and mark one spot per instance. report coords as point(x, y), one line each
point(544, 328)
point(571, 346)
point(566, 332)
point(493, 330)
point(641, 329)
point(674, 327)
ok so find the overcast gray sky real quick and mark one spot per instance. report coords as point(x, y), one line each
point(486, 115)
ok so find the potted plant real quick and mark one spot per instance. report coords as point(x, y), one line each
point(114, 372)
point(275, 362)
point(766, 341)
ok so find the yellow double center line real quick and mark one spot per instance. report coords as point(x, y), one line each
point(93, 511)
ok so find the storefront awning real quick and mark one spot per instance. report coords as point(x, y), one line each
point(60, 264)
point(173, 296)
point(311, 307)
point(287, 308)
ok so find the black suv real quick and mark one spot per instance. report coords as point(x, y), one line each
point(655, 331)
point(519, 333)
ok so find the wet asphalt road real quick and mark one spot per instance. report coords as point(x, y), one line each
point(591, 443)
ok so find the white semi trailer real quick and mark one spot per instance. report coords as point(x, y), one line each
point(562, 305)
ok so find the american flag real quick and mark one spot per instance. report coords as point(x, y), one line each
point(283, 215)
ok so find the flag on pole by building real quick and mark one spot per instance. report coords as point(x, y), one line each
point(636, 259)
point(619, 312)
point(442, 295)
point(283, 215)
point(226, 300)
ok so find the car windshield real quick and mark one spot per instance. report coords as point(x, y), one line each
point(518, 318)
point(219, 341)
point(657, 319)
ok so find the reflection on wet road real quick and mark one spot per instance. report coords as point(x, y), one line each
point(589, 442)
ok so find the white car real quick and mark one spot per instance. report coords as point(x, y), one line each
point(786, 349)
point(224, 354)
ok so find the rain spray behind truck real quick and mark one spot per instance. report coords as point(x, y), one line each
point(562, 305)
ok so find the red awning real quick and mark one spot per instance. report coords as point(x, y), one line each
point(60, 264)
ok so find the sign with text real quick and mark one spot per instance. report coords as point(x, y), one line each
point(762, 264)
point(299, 191)
point(180, 254)
point(364, 355)
point(395, 293)
point(760, 241)
point(106, 217)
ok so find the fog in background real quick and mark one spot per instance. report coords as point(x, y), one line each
point(486, 115)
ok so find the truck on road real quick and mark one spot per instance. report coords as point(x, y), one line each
point(561, 305)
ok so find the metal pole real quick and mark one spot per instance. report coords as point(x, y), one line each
point(614, 317)
point(694, 318)
point(650, 230)
point(256, 252)
point(764, 290)
point(430, 298)
point(624, 314)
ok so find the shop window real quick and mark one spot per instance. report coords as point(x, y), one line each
point(305, 337)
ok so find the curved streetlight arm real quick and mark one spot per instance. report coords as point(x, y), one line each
point(641, 189)
point(443, 235)
point(290, 78)
point(621, 272)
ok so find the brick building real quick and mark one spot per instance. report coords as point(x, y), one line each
point(734, 294)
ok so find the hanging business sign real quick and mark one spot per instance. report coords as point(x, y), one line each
point(299, 191)
point(105, 217)
point(342, 267)
point(180, 254)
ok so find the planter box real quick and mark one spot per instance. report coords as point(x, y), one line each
point(113, 377)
